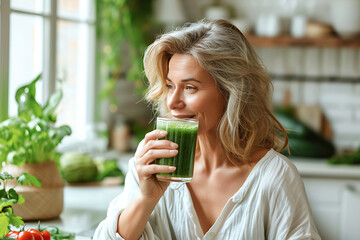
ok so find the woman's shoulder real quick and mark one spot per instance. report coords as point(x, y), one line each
point(275, 168)
point(275, 161)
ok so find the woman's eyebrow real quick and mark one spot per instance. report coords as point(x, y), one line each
point(185, 80)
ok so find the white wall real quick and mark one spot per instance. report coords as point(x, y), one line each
point(339, 99)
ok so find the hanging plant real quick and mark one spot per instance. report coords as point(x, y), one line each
point(124, 30)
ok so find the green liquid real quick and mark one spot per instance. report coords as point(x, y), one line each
point(184, 134)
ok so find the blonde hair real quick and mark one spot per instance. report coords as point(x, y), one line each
point(223, 51)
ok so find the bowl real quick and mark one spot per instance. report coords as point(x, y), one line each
point(345, 17)
point(244, 25)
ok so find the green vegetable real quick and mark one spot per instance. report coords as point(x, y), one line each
point(78, 167)
point(9, 197)
point(107, 168)
point(303, 141)
point(57, 234)
point(31, 137)
point(349, 159)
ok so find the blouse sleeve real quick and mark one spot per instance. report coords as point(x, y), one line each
point(290, 215)
point(107, 229)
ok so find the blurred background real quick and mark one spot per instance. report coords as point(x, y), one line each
point(93, 49)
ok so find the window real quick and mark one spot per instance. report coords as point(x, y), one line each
point(55, 38)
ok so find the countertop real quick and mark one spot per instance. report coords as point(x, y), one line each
point(309, 167)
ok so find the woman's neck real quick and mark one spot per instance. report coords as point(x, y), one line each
point(211, 153)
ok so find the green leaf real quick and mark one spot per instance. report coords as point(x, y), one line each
point(52, 103)
point(28, 107)
point(17, 157)
point(5, 176)
point(3, 193)
point(15, 221)
point(4, 224)
point(28, 179)
point(21, 199)
point(57, 134)
point(5, 133)
point(26, 98)
point(6, 203)
point(31, 87)
point(12, 194)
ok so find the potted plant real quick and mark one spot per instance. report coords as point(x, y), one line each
point(28, 144)
point(9, 197)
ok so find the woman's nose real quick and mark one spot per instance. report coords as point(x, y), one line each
point(175, 100)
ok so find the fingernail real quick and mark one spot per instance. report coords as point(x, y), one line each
point(162, 132)
point(173, 151)
point(172, 168)
point(174, 145)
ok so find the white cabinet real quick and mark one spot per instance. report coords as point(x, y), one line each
point(334, 197)
point(335, 204)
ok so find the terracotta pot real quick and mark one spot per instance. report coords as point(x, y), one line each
point(41, 203)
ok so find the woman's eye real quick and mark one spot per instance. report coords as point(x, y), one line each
point(191, 88)
point(169, 86)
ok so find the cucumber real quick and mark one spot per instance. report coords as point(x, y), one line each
point(294, 126)
point(304, 141)
point(312, 148)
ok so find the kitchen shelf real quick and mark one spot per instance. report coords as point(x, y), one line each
point(276, 77)
point(288, 41)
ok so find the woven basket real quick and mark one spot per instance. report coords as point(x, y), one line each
point(41, 203)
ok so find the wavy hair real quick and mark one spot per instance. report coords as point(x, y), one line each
point(224, 52)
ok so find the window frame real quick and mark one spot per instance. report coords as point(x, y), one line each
point(50, 28)
point(4, 57)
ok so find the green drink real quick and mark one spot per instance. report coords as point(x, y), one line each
point(182, 131)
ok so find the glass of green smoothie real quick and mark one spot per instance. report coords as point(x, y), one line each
point(182, 131)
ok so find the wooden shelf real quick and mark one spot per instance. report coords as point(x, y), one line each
point(288, 41)
point(304, 78)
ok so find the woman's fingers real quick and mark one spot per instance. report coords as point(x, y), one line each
point(152, 150)
point(150, 136)
point(153, 154)
point(159, 144)
point(155, 134)
point(151, 142)
point(144, 167)
point(149, 170)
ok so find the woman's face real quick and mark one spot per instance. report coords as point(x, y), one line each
point(192, 93)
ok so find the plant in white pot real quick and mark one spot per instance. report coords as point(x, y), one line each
point(28, 144)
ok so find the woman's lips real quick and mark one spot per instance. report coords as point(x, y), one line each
point(183, 116)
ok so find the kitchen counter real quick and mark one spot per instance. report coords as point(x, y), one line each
point(84, 208)
point(320, 168)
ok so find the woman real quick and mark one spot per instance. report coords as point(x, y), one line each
point(242, 187)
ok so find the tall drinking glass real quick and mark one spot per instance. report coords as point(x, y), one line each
point(182, 131)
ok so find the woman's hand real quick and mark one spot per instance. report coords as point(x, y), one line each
point(152, 189)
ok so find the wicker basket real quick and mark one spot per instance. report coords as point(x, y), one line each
point(41, 203)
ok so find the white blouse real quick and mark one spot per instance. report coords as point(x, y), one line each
point(271, 204)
